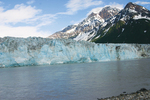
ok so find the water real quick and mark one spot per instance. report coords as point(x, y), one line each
point(86, 81)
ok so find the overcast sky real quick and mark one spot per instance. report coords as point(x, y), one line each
point(24, 18)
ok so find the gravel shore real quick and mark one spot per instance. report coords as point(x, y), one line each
point(142, 94)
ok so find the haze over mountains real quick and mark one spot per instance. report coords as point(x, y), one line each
point(111, 25)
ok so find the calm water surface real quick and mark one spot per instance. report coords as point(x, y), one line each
point(86, 81)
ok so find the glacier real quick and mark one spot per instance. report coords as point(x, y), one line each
point(44, 51)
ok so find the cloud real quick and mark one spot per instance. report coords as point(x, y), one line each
point(30, 19)
point(95, 10)
point(30, 2)
point(75, 5)
point(117, 5)
point(98, 9)
point(46, 19)
point(142, 3)
point(21, 31)
point(20, 13)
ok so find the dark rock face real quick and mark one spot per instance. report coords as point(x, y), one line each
point(131, 5)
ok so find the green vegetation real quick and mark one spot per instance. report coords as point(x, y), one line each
point(133, 31)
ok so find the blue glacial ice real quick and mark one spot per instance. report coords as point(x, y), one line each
point(44, 51)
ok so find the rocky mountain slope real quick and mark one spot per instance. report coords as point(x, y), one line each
point(130, 25)
point(87, 29)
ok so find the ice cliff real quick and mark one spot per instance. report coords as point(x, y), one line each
point(44, 51)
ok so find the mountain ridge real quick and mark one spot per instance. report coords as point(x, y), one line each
point(88, 28)
point(133, 21)
point(111, 25)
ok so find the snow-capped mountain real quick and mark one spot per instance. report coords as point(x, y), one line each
point(88, 28)
point(130, 25)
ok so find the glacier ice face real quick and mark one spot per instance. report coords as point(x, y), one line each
point(44, 51)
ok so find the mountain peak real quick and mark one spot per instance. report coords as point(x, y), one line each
point(129, 5)
point(108, 7)
point(99, 10)
point(108, 12)
point(135, 7)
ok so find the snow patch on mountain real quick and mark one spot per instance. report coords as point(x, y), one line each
point(71, 30)
point(140, 17)
point(132, 11)
point(84, 36)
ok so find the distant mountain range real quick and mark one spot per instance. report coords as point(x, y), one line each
point(111, 25)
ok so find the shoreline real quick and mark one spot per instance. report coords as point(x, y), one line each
point(142, 94)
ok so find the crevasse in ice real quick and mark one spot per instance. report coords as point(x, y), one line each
point(44, 51)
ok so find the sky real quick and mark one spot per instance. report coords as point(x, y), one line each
point(41, 18)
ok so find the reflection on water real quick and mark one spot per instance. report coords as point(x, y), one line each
point(74, 81)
